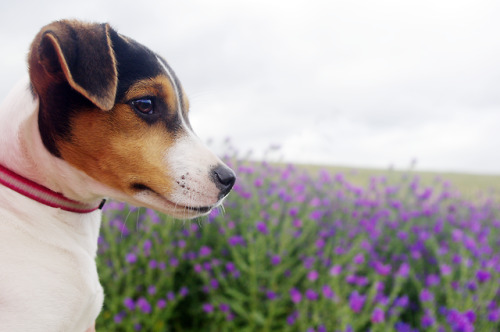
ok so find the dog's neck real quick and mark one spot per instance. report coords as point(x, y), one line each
point(24, 153)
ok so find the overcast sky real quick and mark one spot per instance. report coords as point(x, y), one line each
point(357, 83)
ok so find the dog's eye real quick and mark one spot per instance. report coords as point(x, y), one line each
point(145, 106)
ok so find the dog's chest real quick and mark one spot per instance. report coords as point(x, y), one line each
point(48, 273)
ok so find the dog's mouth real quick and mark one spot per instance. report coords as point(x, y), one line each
point(198, 210)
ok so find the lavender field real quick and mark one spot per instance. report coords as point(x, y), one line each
point(295, 251)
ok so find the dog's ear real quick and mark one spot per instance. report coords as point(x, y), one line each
point(80, 53)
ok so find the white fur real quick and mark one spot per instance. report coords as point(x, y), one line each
point(48, 276)
point(191, 163)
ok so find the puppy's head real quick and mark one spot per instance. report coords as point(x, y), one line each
point(115, 110)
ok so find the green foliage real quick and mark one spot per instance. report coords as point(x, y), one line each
point(295, 251)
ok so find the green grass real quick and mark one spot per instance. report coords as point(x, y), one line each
point(302, 250)
point(470, 186)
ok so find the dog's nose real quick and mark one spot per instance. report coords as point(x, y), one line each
point(224, 179)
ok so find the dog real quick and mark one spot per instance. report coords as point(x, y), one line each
point(100, 116)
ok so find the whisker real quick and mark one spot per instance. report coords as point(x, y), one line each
point(137, 219)
point(125, 222)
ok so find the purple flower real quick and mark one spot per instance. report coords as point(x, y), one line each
point(460, 321)
point(152, 264)
point(356, 301)
point(328, 292)
point(214, 283)
point(471, 316)
point(236, 240)
point(382, 269)
point(161, 303)
point(230, 267)
point(315, 202)
point(147, 245)
point(309, 262)
point(378, 315)
point(313, 275)
point(121, 227)
point(224, 307)
point(170, 296)
point(361, 281)
point(174, 262)
point(339, 250)
point(293, 211)
point(213, 214)
point(469, 243)
point(432, 280)
point(258, 182)
point(129, 303)
point(205, 251)
point(426, 295)
point(427, 319)
point(402, 235)
point(445, 269)
point(197, 268)
point(208, 308)
point(295, 295)
point(262, 227)
point(316, 215)
point(275, 259)
point(457, 235)
point(184, 291)
point(271, 295)
point(403, 327)
point(320, 243)
point(297, 223)
point(292, 318)
point(494, 315)
point(401, 301)
point(404, 270)
point(351, 279)
point(144, 305)
point(457, 259)
point(151, 290)
point(311, 295)
point(131, 258)
point(119, 317)
point(472, 286)
point(359, 259)
point(336, 270)
point(483, 275)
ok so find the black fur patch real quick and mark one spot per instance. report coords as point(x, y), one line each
point(54, 118)
point(134, 62)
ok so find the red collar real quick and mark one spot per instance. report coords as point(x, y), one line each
point(42, 194)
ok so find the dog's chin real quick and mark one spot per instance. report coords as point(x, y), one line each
point(151, 199)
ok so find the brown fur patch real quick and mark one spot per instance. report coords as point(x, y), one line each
point(118, 148)
point(159, 86)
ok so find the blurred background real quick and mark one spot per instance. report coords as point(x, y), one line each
point(355, 83)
